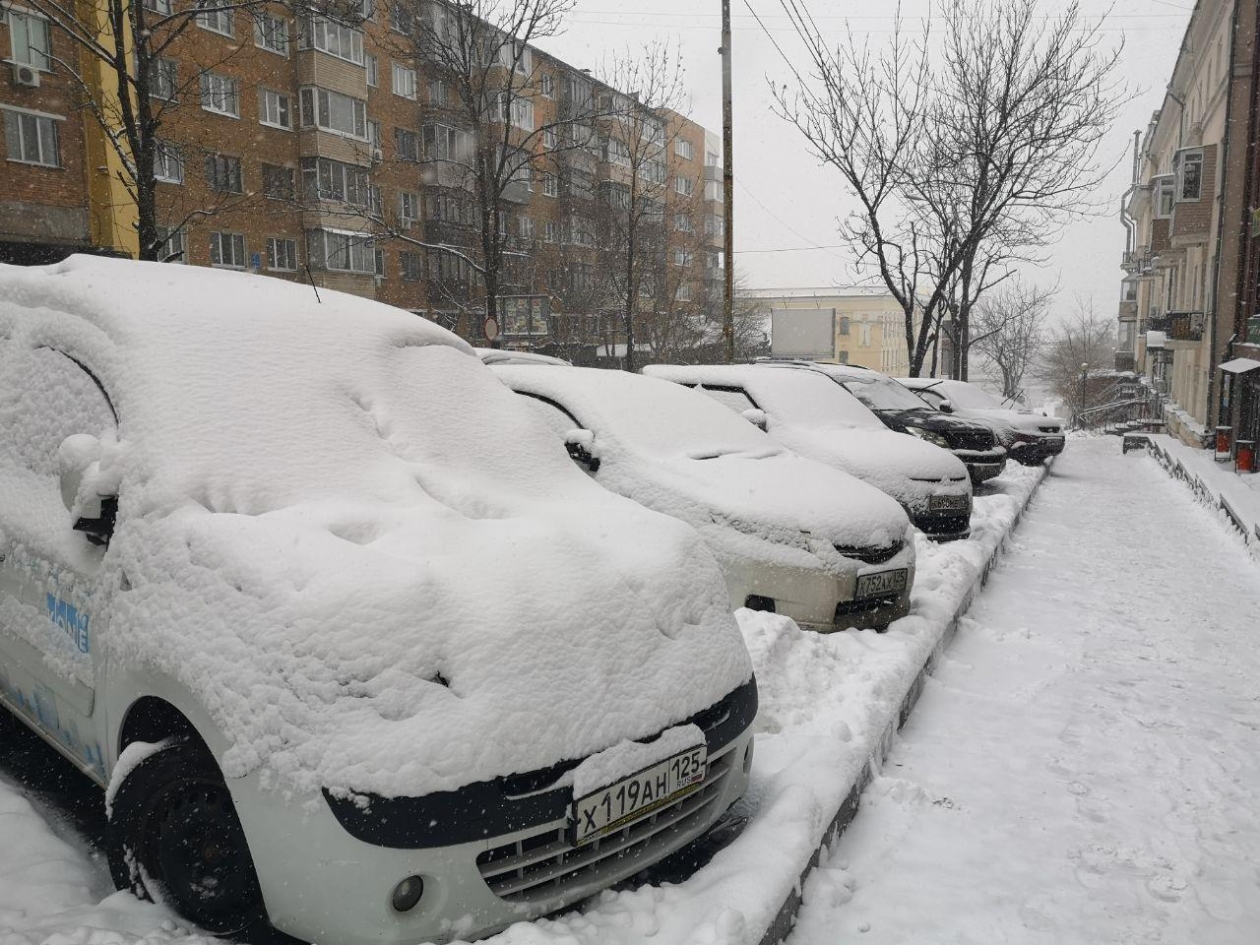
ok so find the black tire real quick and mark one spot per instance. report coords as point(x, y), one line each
point(174, 838)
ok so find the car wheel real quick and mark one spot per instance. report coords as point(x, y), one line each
point(174, 838)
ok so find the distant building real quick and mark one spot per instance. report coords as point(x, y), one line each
point(868, 325)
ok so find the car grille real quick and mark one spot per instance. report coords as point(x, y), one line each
point(971, 439)
point(869, 554)
point(545, 865)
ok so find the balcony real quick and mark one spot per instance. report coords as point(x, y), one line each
point(1126, 361)
point(1128, 310)
point(446, 233)
point(1186, 326)
point(1159, 322)
point(1137, 261)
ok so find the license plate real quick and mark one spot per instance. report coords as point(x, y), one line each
point(610, 809)
point(881, 583)
point(943, 503)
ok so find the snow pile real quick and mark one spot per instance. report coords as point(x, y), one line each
point(341, 536)
point(679, 452)
point(812, 415)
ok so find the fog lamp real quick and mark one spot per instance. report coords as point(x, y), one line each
point(407, 894)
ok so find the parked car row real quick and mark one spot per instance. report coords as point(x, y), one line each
point(369, 641)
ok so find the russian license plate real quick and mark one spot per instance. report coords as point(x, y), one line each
point(949, 503)
point(609, 809)
point(881, 583)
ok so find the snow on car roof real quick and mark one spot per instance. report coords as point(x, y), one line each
point(803, 396)
point(341, 536)
point(651, 415)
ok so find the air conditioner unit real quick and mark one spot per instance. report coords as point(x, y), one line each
point(378, 155)
point(25, 75)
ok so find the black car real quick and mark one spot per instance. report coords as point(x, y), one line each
point(900, 410)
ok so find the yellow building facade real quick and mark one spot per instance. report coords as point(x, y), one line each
point(869, 325)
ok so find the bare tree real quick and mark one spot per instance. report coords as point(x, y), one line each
point(961, 159)
point(478, 55)
point(638, 135)
point(1009, 328)
point(1081, 345)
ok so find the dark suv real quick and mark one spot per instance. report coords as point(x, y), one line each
point(973, 443)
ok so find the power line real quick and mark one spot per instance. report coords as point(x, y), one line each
point(791, 249)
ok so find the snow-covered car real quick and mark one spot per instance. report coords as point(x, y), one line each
point(972, 442)
point(793, 536)
point(508, 356)
point(815, 417)
point(1028, 437)
point(291, 577)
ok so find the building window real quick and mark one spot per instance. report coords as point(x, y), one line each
point(548, 82)
point(412, 266)
point(549, 139)
point(401, 18)
point(682, 223)
point(163, 79)
point(408, 209)
point(215, 20)
point(683, 149)
point(446, 144)
point(340, 251)
point(224, 174)
point(336, 39)
point(618, 152)
point(407, 144)
point(404, 81)
point(684, 293)
point(372, 65)
point(326, 179)
point(170, 246)
point(281, 254)
point(682, 257)
point(550, 233)
point(220, 94)
point(227, 250)
point(439, 93)
point(334, 112)
point(844, 324)
point(278, 182)
point(714, 225)
point(158, 6)
point(31, 138)
point(684, 186)
point(168, 163)
point(522, 114)
point(1164, 193)
point(525, 227)
point(551, 185)
point(272, 33)
point(1190, 176)
point(375, 134)
point(274, 109)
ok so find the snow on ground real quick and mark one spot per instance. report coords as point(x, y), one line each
point(1085, 765)
point(825, 703)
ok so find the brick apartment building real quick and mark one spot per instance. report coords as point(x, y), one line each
point(1190, 266)
point(321, 149)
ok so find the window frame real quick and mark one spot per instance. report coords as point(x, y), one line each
point(207, 80)
point(408, 77)
point(217, 17)
point(264, 109)
point(290, 245)
point(165, 150)
point(20, 139)
point(262, 33)
point(216, 247)
point(1184, 159)
point(44, 56)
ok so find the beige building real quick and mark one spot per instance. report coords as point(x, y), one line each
point(868, 328)
point(1184, 175)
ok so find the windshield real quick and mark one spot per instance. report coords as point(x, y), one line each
point(970, 397)
point(881, 393)
point(808, 399)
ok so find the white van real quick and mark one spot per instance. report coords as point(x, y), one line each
point(290, 577)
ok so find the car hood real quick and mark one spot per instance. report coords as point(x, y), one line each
point(761, 494)
point(1016, 420)
point(901, 465)
point(928, 419)
point(393, 651)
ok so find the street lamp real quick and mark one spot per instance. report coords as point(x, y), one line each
point(1084, 394)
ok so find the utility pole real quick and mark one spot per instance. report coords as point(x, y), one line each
point(728, 192)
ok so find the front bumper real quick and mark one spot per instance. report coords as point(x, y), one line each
point(943, 526)
point(327, 868)
point(1032, 450)
point(818, 600)
point(982, 466)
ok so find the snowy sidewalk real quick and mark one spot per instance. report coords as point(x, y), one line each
point(1216, 484)
point(1085, 765)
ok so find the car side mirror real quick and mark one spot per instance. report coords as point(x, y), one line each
point(946, 406)
point(756, 417)
point(85, 492)
point(582, 449)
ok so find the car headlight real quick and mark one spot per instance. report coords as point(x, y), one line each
point(934, 438)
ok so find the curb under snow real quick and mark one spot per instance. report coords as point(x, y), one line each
point(831, 706)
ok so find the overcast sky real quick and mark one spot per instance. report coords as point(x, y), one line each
point(783, 199)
